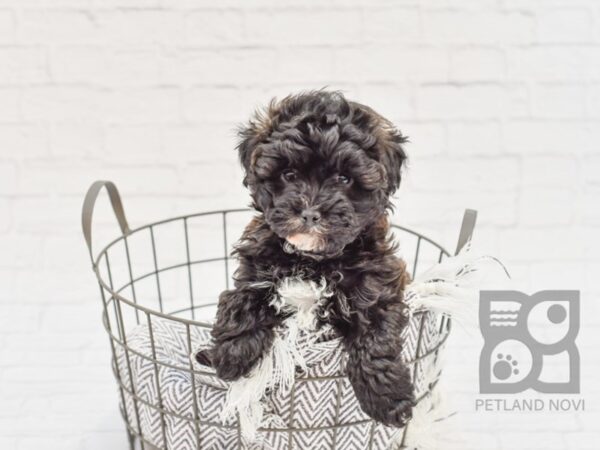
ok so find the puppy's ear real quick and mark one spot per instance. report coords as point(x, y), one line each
point(388, 143)
point(393, 157)
point(252, 135)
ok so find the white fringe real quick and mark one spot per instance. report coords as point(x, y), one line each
point(277, 368)
point(429, 427)
point(452, 286)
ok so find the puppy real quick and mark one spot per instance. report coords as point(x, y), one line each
point(321, 170)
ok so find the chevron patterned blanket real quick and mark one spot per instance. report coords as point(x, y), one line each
point(325, 413)
point(319, 412)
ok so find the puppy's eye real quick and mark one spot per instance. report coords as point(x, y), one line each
point(343, 179)
point(289, 175)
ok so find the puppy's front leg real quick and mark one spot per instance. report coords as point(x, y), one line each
point(381, 380)
point(243, 331)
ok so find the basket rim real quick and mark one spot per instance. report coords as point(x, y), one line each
point(191, 370)
point(115, 292)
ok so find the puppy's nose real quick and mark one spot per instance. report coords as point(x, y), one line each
point(310, 216)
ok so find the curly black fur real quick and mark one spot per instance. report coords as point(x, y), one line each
point(321, 170)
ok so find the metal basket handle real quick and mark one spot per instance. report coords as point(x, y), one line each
point(88, 210)
point(466, 229)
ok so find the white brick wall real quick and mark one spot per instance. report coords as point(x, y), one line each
point(501, 99)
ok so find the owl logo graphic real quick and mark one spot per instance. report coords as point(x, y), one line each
point(529, 342)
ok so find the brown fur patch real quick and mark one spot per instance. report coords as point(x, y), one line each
point(263, 125)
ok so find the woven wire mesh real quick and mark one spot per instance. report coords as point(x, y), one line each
point(173, 271)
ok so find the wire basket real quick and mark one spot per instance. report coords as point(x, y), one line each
point(159, 284)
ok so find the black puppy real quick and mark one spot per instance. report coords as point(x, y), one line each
point(321, 170)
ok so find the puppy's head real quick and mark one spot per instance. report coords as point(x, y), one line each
point(321, 168)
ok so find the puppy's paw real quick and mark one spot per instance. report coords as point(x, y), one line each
point(395, 412)
point(231, 370)
point(384, 391)
point(234, 359)
point(204, 357)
